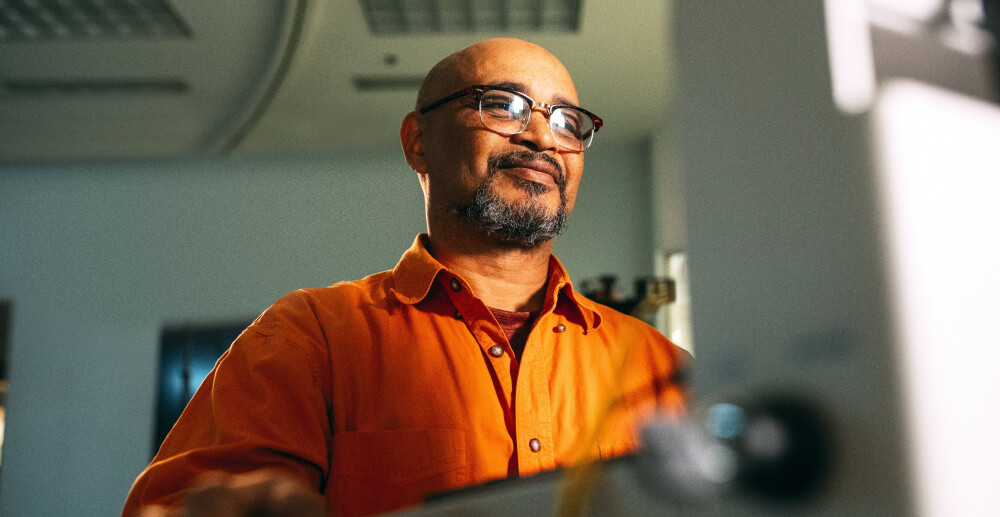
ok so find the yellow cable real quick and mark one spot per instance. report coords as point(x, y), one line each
point(579, 480)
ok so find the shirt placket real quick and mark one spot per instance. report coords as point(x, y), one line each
point(487, 334)
point(533, 409)
point(533, 412)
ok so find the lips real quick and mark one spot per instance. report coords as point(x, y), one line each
point(533, 166)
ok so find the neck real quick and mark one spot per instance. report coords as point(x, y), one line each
point(504, 276)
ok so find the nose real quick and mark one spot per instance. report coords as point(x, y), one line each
point(537, 135)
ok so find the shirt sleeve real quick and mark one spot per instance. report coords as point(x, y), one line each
point(265, 405)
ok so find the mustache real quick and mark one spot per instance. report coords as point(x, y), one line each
point(517, 158)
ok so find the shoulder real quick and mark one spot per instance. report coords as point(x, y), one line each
point(615, 322)
point(622, 325)
point(307, 311)
point(618, 327)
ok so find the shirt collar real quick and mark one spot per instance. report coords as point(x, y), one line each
point(414, 275)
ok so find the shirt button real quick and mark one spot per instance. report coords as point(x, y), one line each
point(455, 285)
point(496, 350)
point(535, 445)
point(560, 328)
point(458, 315)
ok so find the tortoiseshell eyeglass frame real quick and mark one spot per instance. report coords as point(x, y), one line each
point(478, 90)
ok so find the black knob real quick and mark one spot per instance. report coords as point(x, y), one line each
point(783, 446)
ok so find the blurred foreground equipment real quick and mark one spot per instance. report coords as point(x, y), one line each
point(775, 452)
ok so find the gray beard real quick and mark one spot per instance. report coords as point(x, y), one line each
point(526, 223)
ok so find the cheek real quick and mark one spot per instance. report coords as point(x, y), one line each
point(458, 165)
point(472, 154)
point(574, 173)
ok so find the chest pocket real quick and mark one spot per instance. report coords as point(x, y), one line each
point(378, 471)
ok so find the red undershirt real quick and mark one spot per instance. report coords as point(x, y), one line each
point(516, 326)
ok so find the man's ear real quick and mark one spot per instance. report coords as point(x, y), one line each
point(411, 136)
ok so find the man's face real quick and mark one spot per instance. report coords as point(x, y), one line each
point(520, 187)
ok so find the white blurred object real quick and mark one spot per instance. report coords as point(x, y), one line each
point(685, 462)
point(849, 44)
point(939, 175)
point(674, 319)
point(922, 10)
point(871, 42)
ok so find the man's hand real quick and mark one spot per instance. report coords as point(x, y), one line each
point(261, 493)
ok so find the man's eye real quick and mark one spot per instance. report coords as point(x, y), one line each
point(508, 102)
point(566, 123)
point(497, 104)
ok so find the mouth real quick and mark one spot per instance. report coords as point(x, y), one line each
point(534, 170)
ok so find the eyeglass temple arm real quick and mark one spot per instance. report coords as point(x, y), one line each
point(594, 118)
point(468, 91)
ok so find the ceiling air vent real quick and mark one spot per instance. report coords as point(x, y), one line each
point(48, 20)
point(393, 17)
point(90, 88)
point(387, 83)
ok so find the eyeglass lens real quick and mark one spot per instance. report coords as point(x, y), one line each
point(508, 113)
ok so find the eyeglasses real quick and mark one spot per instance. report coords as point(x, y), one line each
point(507, 111)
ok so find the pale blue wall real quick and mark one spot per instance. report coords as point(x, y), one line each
point(97, 258)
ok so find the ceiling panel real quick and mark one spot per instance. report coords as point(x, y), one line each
point(618, 58)
point(133, 97)
point(273, 76)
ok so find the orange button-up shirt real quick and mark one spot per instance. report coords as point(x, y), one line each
point(380, 391)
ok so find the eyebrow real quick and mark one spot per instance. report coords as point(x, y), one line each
point(521, 87)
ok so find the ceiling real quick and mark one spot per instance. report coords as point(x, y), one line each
point(271, 76)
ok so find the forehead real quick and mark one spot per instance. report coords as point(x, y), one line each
point(521, 65)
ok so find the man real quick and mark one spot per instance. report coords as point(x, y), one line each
point(473, 360)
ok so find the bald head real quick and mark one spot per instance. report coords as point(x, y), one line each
point(492, 57)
